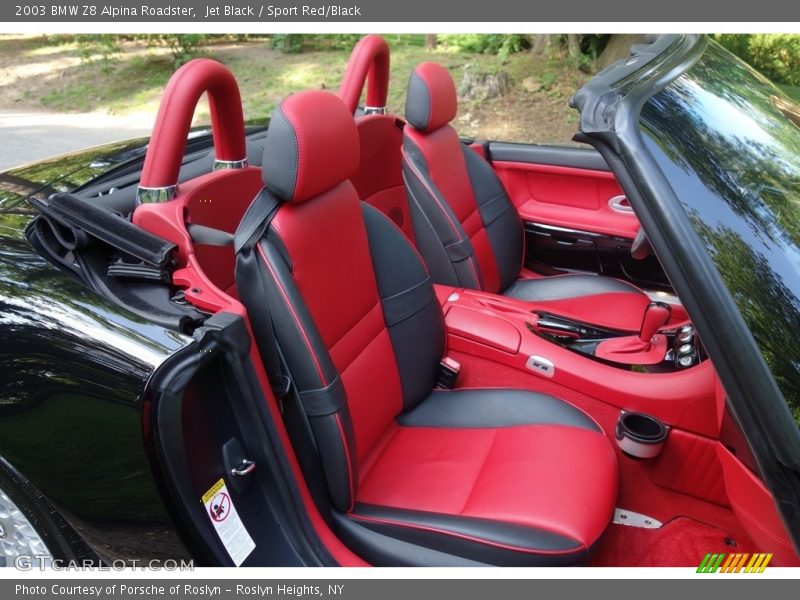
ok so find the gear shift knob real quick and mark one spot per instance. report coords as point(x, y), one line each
point(656, 315)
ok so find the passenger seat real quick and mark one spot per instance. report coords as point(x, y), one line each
point(465, 226)
point(414, 475)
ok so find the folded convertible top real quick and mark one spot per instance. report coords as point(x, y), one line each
point(107, 226)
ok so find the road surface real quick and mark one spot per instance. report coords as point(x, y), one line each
point(30, 136)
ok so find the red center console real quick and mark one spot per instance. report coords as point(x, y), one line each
point(507, 332)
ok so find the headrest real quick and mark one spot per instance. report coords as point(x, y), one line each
point(311, 146)
point(431, 99)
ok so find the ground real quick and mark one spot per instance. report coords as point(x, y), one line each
point(37, 74)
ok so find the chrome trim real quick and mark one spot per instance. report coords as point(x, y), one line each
point(567, 230)
point(541, 365)
point(146, 195)
point(630, 443)
point(453, 297)
point(623, 516)
point(616, 203)
point(374, 110)
point(247, 467)
point(229, 164)
point(659, 296)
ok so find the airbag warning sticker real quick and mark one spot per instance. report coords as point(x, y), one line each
point(226, 521)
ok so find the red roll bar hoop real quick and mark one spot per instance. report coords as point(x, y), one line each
point(369, 63)
point(168, 142)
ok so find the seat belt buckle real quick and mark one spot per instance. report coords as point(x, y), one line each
point(281, 390)
point(447, 374)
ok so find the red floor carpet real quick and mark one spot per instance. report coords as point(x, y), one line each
point(682, 542)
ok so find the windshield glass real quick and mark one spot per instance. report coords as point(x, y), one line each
point(728, 141)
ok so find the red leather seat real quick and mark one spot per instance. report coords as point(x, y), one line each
point(412, 476)
point(465, 226)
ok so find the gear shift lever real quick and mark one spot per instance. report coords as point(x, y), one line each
point(648, 348)
point(655, 315)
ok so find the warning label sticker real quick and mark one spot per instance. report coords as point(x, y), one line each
point(226, 521)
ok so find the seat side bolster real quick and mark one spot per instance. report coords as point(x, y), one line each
point(440, 237)
point(499, 216)
point(263, 278)
point(483, 540)
point(411, 310)
point(300, 342)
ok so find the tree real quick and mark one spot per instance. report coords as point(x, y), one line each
point(574, 45)
point(430, 41)
point(619, 46)
point(541, 43)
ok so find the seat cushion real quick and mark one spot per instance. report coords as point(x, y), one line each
point(524, 479)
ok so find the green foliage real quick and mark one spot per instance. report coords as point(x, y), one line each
point(182, 46)
point(288, 43)
point(294, 43)
point(584, 62)
point(107, 47)
point(548, 79)
point(104, 46)
point(493, 43)
point(737, 43)
point(329, 41)
point(776, 55)
point(592, 44)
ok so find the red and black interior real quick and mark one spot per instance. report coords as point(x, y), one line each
point(362, 332)
point(467, 228)
point(515, 461)
point(378, 179)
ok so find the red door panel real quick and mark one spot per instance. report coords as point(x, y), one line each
point(568, 197)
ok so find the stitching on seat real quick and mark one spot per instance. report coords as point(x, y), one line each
point(347, 460)
point(478, 476)
point(374, 456)
point(427, 187)
point(288, 302)
point(502, 213)
point(468, 217)
point(400, 231)
point(299, 155)
point(344, 367)
point(416, 172)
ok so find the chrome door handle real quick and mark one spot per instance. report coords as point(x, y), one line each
point(245, 468)
point(621, 204)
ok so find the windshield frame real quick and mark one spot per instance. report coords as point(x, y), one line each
point(610, 107)
point(731, 152)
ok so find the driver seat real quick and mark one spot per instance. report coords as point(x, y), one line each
point(466, 227)
point(412, 475)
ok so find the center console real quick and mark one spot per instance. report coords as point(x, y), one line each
point(661, 371)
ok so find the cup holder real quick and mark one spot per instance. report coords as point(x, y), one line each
point(639, 435)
